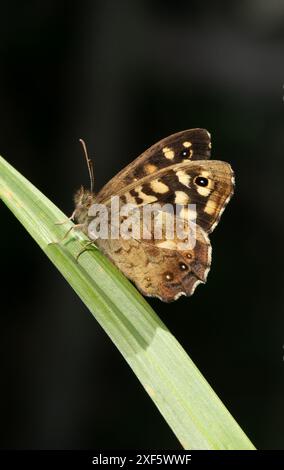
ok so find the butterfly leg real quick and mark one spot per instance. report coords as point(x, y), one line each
point(68, 219)
point(84, 249)
point(74, 227)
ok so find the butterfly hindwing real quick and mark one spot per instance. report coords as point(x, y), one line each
point(157, 267)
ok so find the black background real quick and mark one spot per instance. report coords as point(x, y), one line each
point(122, 75)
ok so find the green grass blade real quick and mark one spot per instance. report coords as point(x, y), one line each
point(187, 402)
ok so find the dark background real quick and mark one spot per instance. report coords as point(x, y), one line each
point(122, 75)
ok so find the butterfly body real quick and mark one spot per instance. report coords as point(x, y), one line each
point(175, 172)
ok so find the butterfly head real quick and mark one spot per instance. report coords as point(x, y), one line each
point(83, 199)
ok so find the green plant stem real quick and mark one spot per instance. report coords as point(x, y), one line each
point(187, 402)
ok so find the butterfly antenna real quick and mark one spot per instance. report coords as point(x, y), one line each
point(89, 165)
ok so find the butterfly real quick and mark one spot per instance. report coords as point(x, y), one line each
point(176, 171)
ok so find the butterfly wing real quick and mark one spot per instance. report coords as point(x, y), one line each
point(188, 145)
point(161, 268)
point(206, 186)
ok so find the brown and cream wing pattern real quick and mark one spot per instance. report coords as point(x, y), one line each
point(188, 145)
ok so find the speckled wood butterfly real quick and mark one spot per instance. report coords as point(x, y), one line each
point(176, 170)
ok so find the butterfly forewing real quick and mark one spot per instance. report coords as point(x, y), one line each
point(206, 185)
point(188, 145)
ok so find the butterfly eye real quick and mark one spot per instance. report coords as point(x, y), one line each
point(201, 181)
